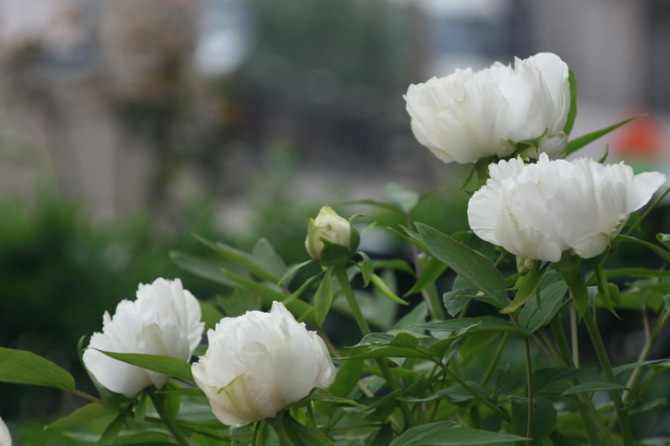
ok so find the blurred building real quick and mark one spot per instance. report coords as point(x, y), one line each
point(133, 104)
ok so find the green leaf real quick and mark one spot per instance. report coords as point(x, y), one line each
point(443, 433)
point(550, 376)
point(22, 367)
point(285, 280)
point(528, 284)
point(416, 316)
point(433, 269)
point(323, 298)
point(210, 314)
point(580, 142)
point(544, 418)
point(475, 325)
point(239, 302)
point(240, 258)
point(572, 112)
point(404, 198)
point(301, 309)
point(347, 377)
point(664, 238)
point(366, 266)
point(470, 264)
point(386, 291)
point(83, 415)
point(663, 253)
point(265, 256)
point(205, 268)
point(301, 435)
point(540, 311)
point(593, 387)
point(158, 363)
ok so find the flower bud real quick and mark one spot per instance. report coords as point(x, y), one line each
point(164, 320)
point(331, 239)
point(260, 363)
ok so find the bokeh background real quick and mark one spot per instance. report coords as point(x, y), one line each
point(127, 125)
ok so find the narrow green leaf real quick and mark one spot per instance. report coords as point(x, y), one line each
point(405, 199)
point(265, 256)
point(82, 415)
point(23, 367)
point(210, 314)
point(572, 112)
point(301, 435)
point(528, 284)
point(580, 142)
point(662, 253)
point(470, 264)
point(664, 238)
point(386, 291)
point(301, 309)
point(205, 268)
point(432, 270)
point(443, 433)
point(240, 258)
point(347, 377)
point(593, 387)
point(477, 324)
point(540, 311)
point(366, 266)
point(158, 363)
point(323, 298)
point(285, 280)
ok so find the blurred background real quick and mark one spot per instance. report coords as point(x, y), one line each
point(127, 125)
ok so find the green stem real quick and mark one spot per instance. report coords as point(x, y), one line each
point(494, 362)
point(341, 275)
point(531, 392)
point(637, 372)
point(592, 421)
point(168, 420)
point(568, 267)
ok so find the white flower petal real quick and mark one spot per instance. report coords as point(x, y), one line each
point(259, 363)
point(470, 115)
point(538, 211)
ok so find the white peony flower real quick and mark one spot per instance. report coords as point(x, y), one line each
point(471, 115)
point(538, 211)
point(5, 438)
point(164, 320)
point(260, 363)
point(341, 236)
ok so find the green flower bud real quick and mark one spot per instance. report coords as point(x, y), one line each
point(331, 239)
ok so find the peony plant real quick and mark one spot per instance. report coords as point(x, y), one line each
point(495, 342)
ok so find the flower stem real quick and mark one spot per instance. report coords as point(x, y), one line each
point(568, 268)
point(168, 420)
point(531, 392)
point(341, 275)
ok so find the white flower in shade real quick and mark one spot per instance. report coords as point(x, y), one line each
point(471, 115)
point(259, 363)
point(5, 438)
point(538, 211)
point(164, 320)
point(331, 239)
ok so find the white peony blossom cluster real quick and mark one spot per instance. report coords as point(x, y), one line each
point(259, 363)
point(538, 211)
point(164, 320)
point(471, 115)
